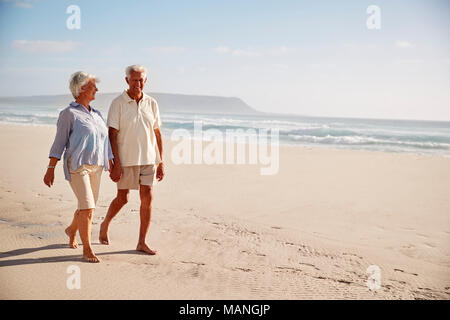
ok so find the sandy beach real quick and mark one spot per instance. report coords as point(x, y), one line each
point(227, 232)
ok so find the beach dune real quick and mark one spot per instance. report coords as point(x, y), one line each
point(316, 230)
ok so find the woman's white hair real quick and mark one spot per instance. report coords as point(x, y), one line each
point(79, 79)
point(135, 68)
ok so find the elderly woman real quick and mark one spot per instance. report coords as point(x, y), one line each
point(83, 137)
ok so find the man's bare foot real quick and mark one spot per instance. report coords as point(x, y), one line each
point(144, 248)
point(103, 237)
point(72, 237)
point(89, 256)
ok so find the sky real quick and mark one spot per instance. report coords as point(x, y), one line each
point(316, 58)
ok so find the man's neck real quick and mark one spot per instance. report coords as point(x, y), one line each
point(137, 98)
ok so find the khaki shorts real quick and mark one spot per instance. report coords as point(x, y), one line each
point(133, 176)
point(85, 183)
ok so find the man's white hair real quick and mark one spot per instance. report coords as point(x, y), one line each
point(79, 79)
point(135, 68)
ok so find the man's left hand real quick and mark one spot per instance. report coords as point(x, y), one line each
point(160, 171)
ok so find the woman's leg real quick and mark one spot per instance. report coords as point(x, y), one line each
point(71, 231)
point(84, 220)
point(81, 185)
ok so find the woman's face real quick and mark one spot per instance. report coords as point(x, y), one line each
point(89, 90)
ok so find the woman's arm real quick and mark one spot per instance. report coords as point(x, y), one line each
point(50, 174)
point(63, 129)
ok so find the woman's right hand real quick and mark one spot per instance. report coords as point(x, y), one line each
point(49, 177)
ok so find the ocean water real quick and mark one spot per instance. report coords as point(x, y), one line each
point(410, 136)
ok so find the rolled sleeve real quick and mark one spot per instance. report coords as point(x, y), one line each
point(113, 120)
point(110, 153)
point(63, 129)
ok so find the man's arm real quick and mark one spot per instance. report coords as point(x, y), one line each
point(159, 142)
point(160, 169)
point(116, 172)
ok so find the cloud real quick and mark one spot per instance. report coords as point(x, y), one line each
point(181, 69)
point(280, 66)
point(245, 53)
point(169, 49)
point(410, 61)
point(237, 52)
point(44, 46)
point(222, 49)
point(26, 4)
point(281, 51)
point(113, 50)
point(403, 44)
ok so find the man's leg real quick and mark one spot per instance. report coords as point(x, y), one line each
point(115, 206)
point(146, 195)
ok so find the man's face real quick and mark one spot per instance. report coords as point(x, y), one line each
point(89, 90)
point(136, 82)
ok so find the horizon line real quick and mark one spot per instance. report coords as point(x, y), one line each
point(264, 112)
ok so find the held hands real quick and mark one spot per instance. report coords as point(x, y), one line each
point(160, 171)
point(116, 173)
point(49, 177)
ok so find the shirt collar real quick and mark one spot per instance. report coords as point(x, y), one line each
point(75, 104)
point(128, 98)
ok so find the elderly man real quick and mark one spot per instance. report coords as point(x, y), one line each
point(134, 132)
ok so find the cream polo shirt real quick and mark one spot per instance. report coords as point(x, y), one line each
point(136, 139)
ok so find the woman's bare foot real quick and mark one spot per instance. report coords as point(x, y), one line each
point(103, 237)
point(144, 248)
point(89, 256)
point(72, 237)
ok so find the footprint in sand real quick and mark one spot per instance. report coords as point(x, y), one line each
point(212, 240)
point(310, 265)
point(422, 235)
point(193, 262)
point(430, 245)
point(253, 253)
point(403, 271)
point(399, 281)
point(408, 250)
point(352, 254)
point(288, 269)
point(242, 269)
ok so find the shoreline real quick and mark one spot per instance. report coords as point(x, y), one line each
point(281, 144)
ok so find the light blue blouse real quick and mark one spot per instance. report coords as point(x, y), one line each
point(83, 135)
